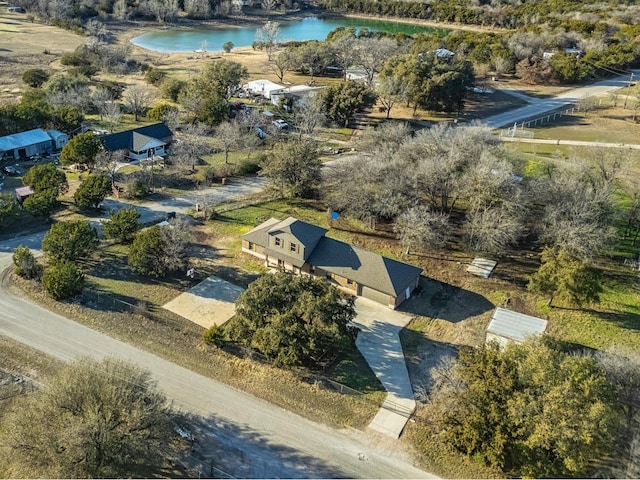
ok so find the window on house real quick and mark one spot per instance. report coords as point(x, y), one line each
point(293, 247)
point(278, 242)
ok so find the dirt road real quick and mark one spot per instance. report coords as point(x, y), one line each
point(265, 441)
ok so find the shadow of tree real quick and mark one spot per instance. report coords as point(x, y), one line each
point(225, 449)
point(444, 301)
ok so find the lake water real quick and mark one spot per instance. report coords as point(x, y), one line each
point(174, 40)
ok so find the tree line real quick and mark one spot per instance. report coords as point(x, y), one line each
point(500, 13)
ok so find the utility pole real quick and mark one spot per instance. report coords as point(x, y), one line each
point(628, 90)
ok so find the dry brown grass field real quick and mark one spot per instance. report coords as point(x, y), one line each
point(22, 46)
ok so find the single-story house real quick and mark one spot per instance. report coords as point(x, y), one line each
point(296, 92)
point(25, 144)
point(140, 143)
point(302, 248)
point(509, 326)
point(262, 87)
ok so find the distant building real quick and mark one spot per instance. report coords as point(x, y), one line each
point(59, 139)
point(140, 143)
point(31, 142)
point(296, 92)
point(262, 87)
point(509, 326)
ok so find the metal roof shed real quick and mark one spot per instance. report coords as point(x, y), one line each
point(509, 326)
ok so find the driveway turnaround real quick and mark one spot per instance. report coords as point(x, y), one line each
point(210, 302)
point(379, 343)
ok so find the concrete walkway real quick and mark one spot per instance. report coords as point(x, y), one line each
point(379, 343)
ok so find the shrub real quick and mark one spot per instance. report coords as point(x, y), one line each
point(122, 225)
point(154, 76)
point(249, 167)
point(62, 280)
point(170, 88)
point(35, 77)
point(26, 264)
point(92, 191)
point(227, 47)
point(159, 111)
point(214, 336)
point(137, 188)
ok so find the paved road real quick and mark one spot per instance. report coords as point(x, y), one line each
point(269, 442)
point(540, 107)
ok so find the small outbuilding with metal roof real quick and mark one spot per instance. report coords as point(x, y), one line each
point(509, 326)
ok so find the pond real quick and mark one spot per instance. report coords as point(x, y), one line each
point(309, 28)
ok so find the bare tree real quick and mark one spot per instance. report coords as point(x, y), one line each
point(100, 98)
point(501, 65)
point(384, 140)
point(492, 229)
point(578, 212)
point(371, 53)
point(163, 10)
point(77, 96)
point(390, 90)
point(138, 99)
point(587, 103)
point(308, 116)
point(177, 237)
point(282, 63)
point(419, 228)
point(268, 5)
point(228, 138)
point(268, 36)
point(171, 118)
point(197, 8)
point(121, 11)
point(193, 144)
point(112, 114)
point(97, 30)
point(107, 161)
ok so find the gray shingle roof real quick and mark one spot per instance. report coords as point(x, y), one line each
point(514, 325)
point(23, 139)
point(259, 235)
point(367, 268)
point(306, 233)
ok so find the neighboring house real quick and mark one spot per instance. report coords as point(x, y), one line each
point(25, 144)
point(58, 138)
point(262, 87)
point(509, 326)
point(302, 248)
point(140, 143)
point(296, 92)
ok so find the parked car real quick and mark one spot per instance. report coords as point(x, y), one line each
point(9, 170)
point(261, 133)
point(281, 124)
